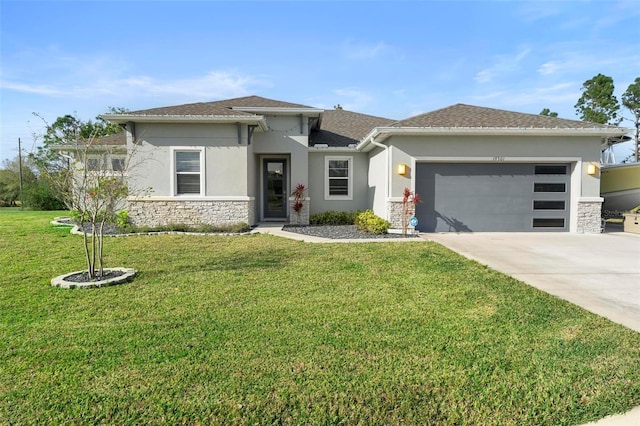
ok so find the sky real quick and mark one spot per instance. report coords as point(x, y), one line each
point(390, 59)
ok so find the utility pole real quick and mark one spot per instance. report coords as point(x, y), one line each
point(20, 169)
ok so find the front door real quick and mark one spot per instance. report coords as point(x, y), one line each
point(274, 198)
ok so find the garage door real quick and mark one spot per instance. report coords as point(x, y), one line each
point(472, 197)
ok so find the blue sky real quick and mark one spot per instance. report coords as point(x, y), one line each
point(392, 59)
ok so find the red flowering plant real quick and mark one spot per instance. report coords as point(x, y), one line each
point(298, 198)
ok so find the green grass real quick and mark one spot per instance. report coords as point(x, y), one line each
point(262, 330)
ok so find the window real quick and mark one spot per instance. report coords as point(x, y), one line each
point(188, 172)
point(338, 178)
point(551, 169)
point(548, 205)
point(548, 223)
point(549, 187)
point(93, 164)
point(117, 164)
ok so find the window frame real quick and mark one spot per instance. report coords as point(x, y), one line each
point(546, 223)
point(537, 209)
point(546, 169)
point(327, 178)
point(564, 189)
point(118, 159)
point(174, 171)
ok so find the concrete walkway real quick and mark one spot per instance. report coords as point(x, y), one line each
point(276, 229)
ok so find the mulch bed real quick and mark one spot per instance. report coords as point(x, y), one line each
point(338, 232)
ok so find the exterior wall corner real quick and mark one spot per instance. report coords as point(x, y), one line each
point(589, 216)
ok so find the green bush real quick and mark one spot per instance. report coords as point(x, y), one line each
point(367, 221)
point(333, 217)
point(40, 195)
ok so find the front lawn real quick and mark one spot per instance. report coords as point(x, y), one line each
point(262, 330)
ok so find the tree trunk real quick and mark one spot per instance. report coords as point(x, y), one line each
point(100, 244)
point(86, 249)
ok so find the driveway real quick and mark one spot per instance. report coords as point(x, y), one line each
point(600, 273)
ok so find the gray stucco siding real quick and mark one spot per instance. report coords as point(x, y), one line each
point(284, 137)
point(378, 181)
point(317, 182)
point(225, 161)
point(404, 149)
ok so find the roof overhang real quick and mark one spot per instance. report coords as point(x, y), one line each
point(88, 148)
point(317, 148)
point(307, 112)
point(258, 120)
point(614, 140)
point(380, 134)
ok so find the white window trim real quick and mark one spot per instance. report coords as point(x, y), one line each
point(349, 159)
point(174, 180)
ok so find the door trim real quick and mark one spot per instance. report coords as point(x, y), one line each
point(263, 190)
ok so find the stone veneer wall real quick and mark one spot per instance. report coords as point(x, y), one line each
point(191, 212)
point(394, 214)
point(589, 217)
point(303, 217)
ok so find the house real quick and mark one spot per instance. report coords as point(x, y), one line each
point(477, 169)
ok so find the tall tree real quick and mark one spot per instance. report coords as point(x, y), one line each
point(597, 103)
point(631, 101)
point(70, 127)
point(10, 180)
point(548, 113)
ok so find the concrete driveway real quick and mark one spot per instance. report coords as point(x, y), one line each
point(600, 273)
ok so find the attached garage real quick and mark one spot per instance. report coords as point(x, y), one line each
point(500, 197)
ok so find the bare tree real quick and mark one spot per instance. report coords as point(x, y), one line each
point(631, 101)
point(92, 182)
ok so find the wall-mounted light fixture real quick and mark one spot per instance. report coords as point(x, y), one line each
point(402, 169)
point(592, 169)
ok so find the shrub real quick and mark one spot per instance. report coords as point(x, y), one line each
point(40, 195)
point(367, 221)
point(333, 217)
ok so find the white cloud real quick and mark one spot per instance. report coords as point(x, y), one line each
point(503, 65)
point(212, 85)
point(579, 61)
point(358, 51)
point(535, 11)
point(559, 97)
point(352, 99)
point(34, 89)
point(549, 68)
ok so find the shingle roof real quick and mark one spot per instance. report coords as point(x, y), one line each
point(258, 102)
point(200, 108)
point(341, 128)
point(469, 116)
point(220, 108)
point(112, 140)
